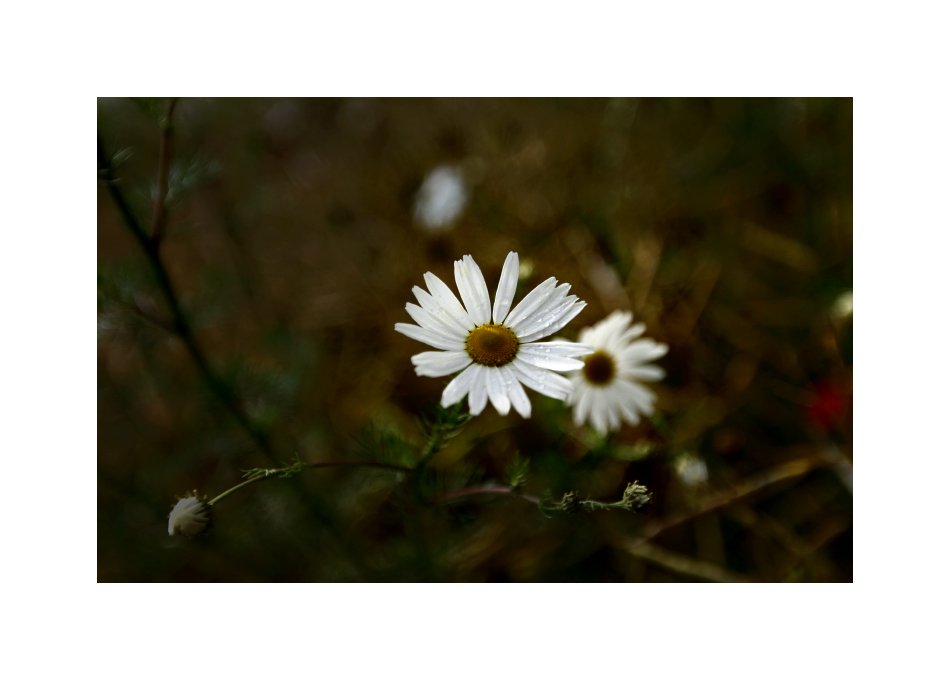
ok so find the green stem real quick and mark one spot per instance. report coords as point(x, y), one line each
point(433, 445)
point(437, 438)
point(484, 490)
point(283, 473)
point(221, 497)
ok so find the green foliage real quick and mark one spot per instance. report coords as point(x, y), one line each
point(153, 107)
point(266, 394)
point(187, 175)
point(440, 427)
point(125, 303)
point(660, 424)
point(433, 483)
point(119, 157)
point(385, 445)
point(289, 470)
point(516, 472)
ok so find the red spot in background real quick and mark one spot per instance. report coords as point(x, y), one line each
point(833, 408)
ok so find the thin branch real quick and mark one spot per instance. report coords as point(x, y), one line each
point(164, 161)
point(360, 463)
point(483, 490)
point(179, 322)
point(749, 486)
point(681, 564)
point(253, 480)
point(827, 534)
point(282, 473)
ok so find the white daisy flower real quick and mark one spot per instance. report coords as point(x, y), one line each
point(495, 346)
point(189, 517)
point(608, 387)
point(441, 198)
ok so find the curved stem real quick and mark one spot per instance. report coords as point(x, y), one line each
point(481, 490)
point(359, 463)
point(221, 497)
point(282, 473)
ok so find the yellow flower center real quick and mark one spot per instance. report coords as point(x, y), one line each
point(599, 368)
point(491, 345)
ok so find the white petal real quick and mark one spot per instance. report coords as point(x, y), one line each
point(540, 380)
point(432, 323)
point(497, 391)
point(431, 305)
point(566, 315)
point(628, 407)
point(613, 412)
point(560, 348)
point(437, 364)
point(516, 393)
point(425, 299)
point(645, 372)
point(478, 395)
point(618, 320)
point(447, 300)
point(474, 291)
point(605, 330)
point(547, 315)
point(546, 312)
point(598, 411)
point(532, 301)
point(641, 397)
point(456, 390)
point(620, 336)
point(537, 357)
point(577, 381)
point(644, 350)
point(582, 404)
point(428, 337)
point(506, 288)
point(635, 331)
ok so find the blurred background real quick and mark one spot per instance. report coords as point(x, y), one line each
point(295, 231)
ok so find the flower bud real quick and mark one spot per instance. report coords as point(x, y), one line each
point(190, 517)
point(635, 496)
point(570, 502)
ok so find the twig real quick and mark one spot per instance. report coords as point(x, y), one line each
point(681, 564)
point(179, 322)
point(825, 536)
point(360, 463)
point(482, 490)
point(137, 311)
point(751, 485)
point(164, 161)
point(283, 473)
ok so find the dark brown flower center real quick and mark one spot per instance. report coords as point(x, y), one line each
point(599, 368)
point(491, 345)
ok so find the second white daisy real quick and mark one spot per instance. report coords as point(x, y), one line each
point(494, 344)
point(608, 387)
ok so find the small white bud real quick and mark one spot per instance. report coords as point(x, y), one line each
point(843, 307)
point(691, 469)
point(190, 517)
point(441, 199)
